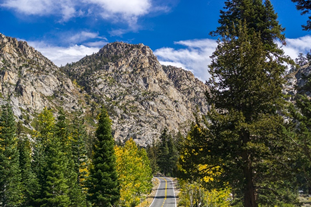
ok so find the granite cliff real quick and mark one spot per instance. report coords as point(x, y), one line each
point(142, 96)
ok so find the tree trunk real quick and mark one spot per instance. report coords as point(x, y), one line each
point(249, 191)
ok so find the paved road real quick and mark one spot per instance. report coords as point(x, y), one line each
point(165, 196)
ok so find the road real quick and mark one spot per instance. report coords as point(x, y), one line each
point(165, 195)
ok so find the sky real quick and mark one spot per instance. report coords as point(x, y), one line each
point(176, 30)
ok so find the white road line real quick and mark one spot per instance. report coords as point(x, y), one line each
point(156, 192)
point(174, 192)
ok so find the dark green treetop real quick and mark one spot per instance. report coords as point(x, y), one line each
point(259, 17)
point(104, 189)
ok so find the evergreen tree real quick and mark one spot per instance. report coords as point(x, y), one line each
point(259, 18)
point(301, 133)
point(104, 189)
point(172, 158)
point(29, 180)
point(55, 187)
point(245, 131)
point(79, 154)
point(305, 7)
point(167, 154)
point(50, 163)
point(163, 153)
point(152, 155)
point(42, 135)
point(77, 198)
point(10, 175)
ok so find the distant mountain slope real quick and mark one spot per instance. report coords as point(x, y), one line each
point(143, 97)
point(33, 82)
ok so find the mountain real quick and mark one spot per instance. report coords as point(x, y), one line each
point(31, 82)
point(142, 96)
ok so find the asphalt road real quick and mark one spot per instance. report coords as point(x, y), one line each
point(165, 196)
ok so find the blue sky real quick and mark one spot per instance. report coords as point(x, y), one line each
point(176, 30)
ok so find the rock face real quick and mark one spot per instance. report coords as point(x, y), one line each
point(296, 81)
point(142, 96)
point(31, 82)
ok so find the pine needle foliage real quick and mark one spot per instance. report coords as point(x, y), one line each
point(104, 188)
point(245, 130)
point(10, 175)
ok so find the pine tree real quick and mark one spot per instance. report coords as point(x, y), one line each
point(305, 7)
point(259, 18)
point(10, 175)
point(42, 136)
point(77, 198)
point(301, 133)
point(152, 152)
point(104, 189)
point(55, 187)
point(245, 131)
point(29, 180)
point(163, 153)
point(79, 154)
point(50, 163)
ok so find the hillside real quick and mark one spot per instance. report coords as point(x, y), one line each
point(142, 96)
point(33, 82)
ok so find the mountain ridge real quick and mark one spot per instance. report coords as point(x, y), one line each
point(142, 96)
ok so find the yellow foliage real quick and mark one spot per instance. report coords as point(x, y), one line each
point(134, 173)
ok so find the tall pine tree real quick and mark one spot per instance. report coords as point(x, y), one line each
point(245, 131)
point(104, 189)
point(10, 175)
point(79, 155)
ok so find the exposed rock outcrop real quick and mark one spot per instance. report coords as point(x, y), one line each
point(31, 82)
point(143, 96)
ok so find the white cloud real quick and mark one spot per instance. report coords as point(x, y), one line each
point(115, 10)
point(195, 57)
point(127, 8)
point(65, 8)
point(96, 44)
point(63, 55)
point(298, 45)
point(82, 36)
point(196, 54)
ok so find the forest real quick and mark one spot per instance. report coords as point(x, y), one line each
point(252, 148)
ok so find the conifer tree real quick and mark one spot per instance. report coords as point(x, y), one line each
point(152, 152)
point(10, 175)
point(50, 163)
point(163, 153)
point(245, 130)
point(77, 198)
point(42, 136)
point(79, 154)
point(29, 180)
point(167, 154)
point(104, 189)
point(301, 133)
point(259, 18)
point(55, 187)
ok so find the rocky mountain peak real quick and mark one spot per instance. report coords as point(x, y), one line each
point(142, 96)
point(11, 49)
point(31, 82)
